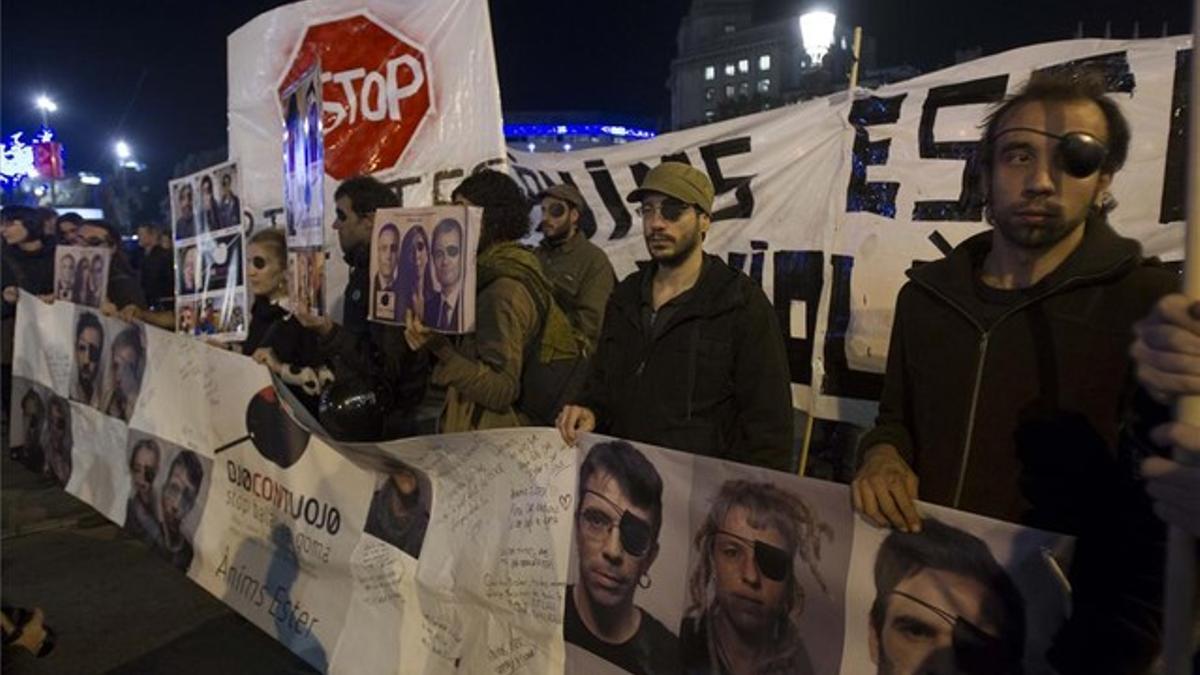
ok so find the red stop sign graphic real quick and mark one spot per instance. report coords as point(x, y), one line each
point(375, 91)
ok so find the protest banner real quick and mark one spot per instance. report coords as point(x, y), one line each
point(829, 202)
point(394, 76)
point(424, 260)
point(210, 257)
point(493, 552)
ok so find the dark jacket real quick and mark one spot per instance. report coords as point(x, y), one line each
point(712, 379)
point(583, 279)
point(31, 271)
point(376, 351)
point(157, 275)
point(124, 286)
point(274, 328)
point(1016, 414)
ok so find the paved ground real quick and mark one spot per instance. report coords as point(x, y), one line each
point(116, 607)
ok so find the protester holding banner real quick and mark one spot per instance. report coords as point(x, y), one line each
point(28, 264)
point(123, 288)
point(1013, 414)
point(372, 354)
point(487, 374)
point(582, 274)
point(275, 337)
point(691, 356)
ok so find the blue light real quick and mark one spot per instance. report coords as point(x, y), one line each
point(612, 130)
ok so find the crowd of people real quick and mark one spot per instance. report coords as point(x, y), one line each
point(1045, 401)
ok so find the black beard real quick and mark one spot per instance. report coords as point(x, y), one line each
point(678, 257)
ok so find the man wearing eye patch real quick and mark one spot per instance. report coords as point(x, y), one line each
point(582, 275)
point(690, 356)
point(140, 520)
point(745, 596)
point(1008, 384)
point(89, 348)
point(617, 521)
point(944, 605)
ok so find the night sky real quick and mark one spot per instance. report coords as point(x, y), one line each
point(154, 72)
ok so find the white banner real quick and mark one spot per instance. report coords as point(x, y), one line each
point(496, 552)
point(827, 203)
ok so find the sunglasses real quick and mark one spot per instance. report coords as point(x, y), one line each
point(670, 209)
point(976, 651)
point(556, 210)
point(451, 251)
point(147, 472)
point(259, 262)
point(420, 245)
point(597, 524)
point(772, 562)
point(1078, 153)
point(94, 241)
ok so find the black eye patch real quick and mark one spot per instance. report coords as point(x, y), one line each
point(1078, 153)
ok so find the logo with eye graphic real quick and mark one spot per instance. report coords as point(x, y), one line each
point(271, 430)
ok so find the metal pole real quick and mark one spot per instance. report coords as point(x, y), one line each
point(1179, 593)
point(857, 50)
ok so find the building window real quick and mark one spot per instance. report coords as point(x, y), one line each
point(710, 72)
point(744, 89)
point(710, 94)
point(729, 28)
point(729, 91)
point(764, 85)
point(744, 66)
point(764, 62)
point(730, 71)
point(709, 115)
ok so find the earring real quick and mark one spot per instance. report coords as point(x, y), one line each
point(645, 582)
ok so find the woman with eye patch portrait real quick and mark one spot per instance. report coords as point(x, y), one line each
point(617, 522)
point(745, 600)
point(275, 336)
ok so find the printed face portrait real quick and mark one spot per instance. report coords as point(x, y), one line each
point(190, 255)
point(58, 439)
point(750, 598)
point(206, 190)
point(187, 318)
point(127, 363)
point(226, 185)
point(143, 468)
point(387, 248)
point(97, 280)
point(66, 268)
point(34, 411)
point(179, 492)
point(1032, 200)
point(447, 255)
point(185, 201)
point(609, 525)
point(89, 347)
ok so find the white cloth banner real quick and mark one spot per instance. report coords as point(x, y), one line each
point(409, 96)
point(491, 552)
point(827, 203)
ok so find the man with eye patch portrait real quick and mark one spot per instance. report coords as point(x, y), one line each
point(690, 355)
point(140, 518)
point(745, 597)
point(944, 606)
point(1009, 389)
point(582, 275)
point(617, 520)
point(89, 349)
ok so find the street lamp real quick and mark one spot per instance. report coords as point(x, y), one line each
point(46, 106)
point(123, 151)
point(816, 30)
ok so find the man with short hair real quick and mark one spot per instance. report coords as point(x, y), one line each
point(944, 605)
point(745, 598)
point(447, 256)
point(387, 252)
point(372, 353)
point(89, 350)
point(691, 356)
point(582, 274)
point(127, 364)
point(179, 495)
point(230, 205)
point(140, 519)
point(185, 208)
point(1015, 414)
point(157, 269)
point(617, 521)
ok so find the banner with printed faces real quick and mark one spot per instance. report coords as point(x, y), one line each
point(505, 551)
point(423, 263)
point(209, 228)
point(408, 93)
point(828, 203)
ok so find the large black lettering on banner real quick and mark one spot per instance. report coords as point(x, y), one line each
point(1114, 66)
point(798, 277)
point(607, 190)
point(841, 380)
point(1175, 169)
point(969, 205)
point(712, 154)
point(862, 195)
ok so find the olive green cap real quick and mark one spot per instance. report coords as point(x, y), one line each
point(678, 180)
